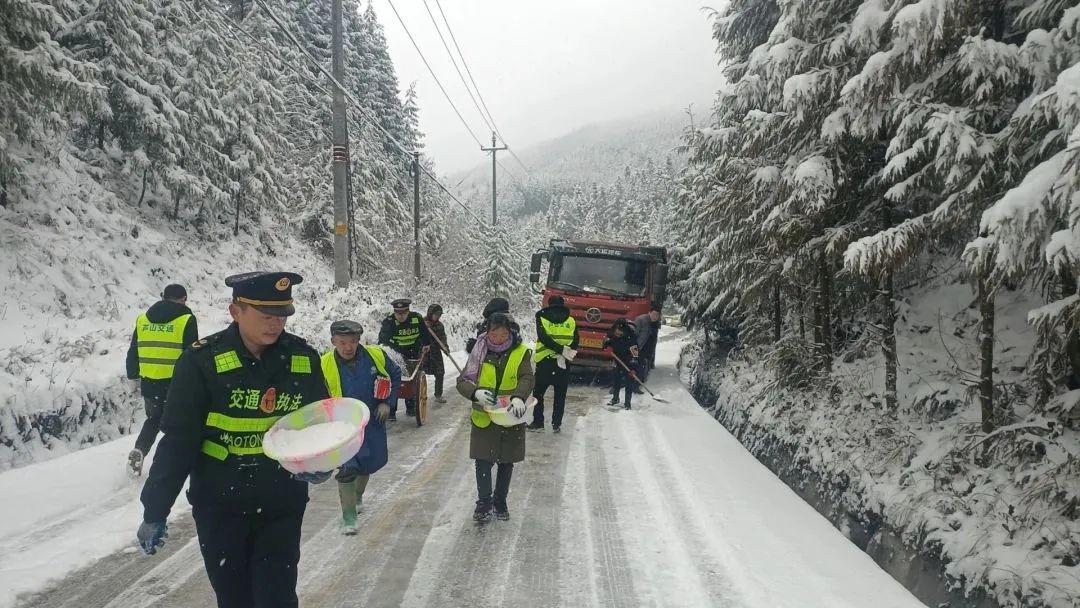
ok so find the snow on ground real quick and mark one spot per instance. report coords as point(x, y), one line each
point(695, 499)
point(657, 506)
point(1006, 525)
point(67, 513)
point(80, 265)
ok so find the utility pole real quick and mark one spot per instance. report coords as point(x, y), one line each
point(416, 215)
point(341, 154)
point(493, 149)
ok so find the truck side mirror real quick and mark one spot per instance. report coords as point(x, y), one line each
point(534, 265)
point(534, 277)
point(660, 282)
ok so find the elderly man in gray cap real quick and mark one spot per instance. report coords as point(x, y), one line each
point(361, 372)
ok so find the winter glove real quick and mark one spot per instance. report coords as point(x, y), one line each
point(634, 351)
point(569, 353)
point(560, 361)
point(152, 536)
point(517, 408)
point(382, 412)
point(485, 398)
point(318, 477)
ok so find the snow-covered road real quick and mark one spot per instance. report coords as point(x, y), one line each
point(658, 506)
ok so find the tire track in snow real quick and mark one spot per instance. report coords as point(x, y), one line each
point(449, 523)
point(174, 577)
point(615, 585)
point(372, 568)
point(578, 564)
point(479, 566)
point(536, 573)
point(671, 501)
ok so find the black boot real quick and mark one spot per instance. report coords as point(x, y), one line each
point(502, 490)
point(535, 426)
point(614, 399)
point(483, 511)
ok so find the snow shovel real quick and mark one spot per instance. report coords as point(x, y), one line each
point(638, 380)
point(443, 348)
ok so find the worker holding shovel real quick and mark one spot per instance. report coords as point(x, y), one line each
point(622, 340)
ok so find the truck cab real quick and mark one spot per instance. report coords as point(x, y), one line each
point(601, 282)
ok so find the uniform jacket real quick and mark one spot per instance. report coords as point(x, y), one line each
point(161, 312)
point(555, 314)
point(242, 484)
point(391, 328)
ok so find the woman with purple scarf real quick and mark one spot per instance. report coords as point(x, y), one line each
point(497, 379)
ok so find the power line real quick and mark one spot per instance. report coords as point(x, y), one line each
point(432, 72)
point(453, 38)
point(461, 76)
point(465, 63)
point(363, 111)
point(352, 100)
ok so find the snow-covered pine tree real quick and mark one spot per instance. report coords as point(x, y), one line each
point(377, 89)
point(140, 120)
point(1031, 233)
point(938, 91)
point(766, 163)
point(502, 276)
point(40, 83)
point(724, 193)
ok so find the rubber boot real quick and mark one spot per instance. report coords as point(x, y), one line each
point(361, 485)
point(347, 494)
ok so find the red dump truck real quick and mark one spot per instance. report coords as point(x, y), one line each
point(601, 282)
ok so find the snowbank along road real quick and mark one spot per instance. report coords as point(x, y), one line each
point(658, 506)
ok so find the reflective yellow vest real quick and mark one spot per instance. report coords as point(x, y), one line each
point(561, 333)
point(488, 378)
point(159, 346)
point(258, 410)
point(333, 375)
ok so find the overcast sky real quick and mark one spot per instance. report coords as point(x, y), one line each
point(547, 67)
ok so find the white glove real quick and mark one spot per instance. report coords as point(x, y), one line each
point(560, 361)
point(517, 408)
point(569, 353)
point(485, 397)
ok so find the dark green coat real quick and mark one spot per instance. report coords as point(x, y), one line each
point(494, 443)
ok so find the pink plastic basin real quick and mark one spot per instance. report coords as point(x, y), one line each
point(327, 457)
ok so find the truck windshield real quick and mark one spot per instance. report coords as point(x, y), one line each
point(600, 275)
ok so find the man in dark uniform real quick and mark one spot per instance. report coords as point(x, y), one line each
point(406, 333)
point(228, 390)
point(161, 333)
point(557, 340)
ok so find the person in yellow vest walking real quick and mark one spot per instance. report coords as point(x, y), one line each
point(556, 343)
point(364, 373)
point(499, 365)
point(229, 389)
point(161, 333)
